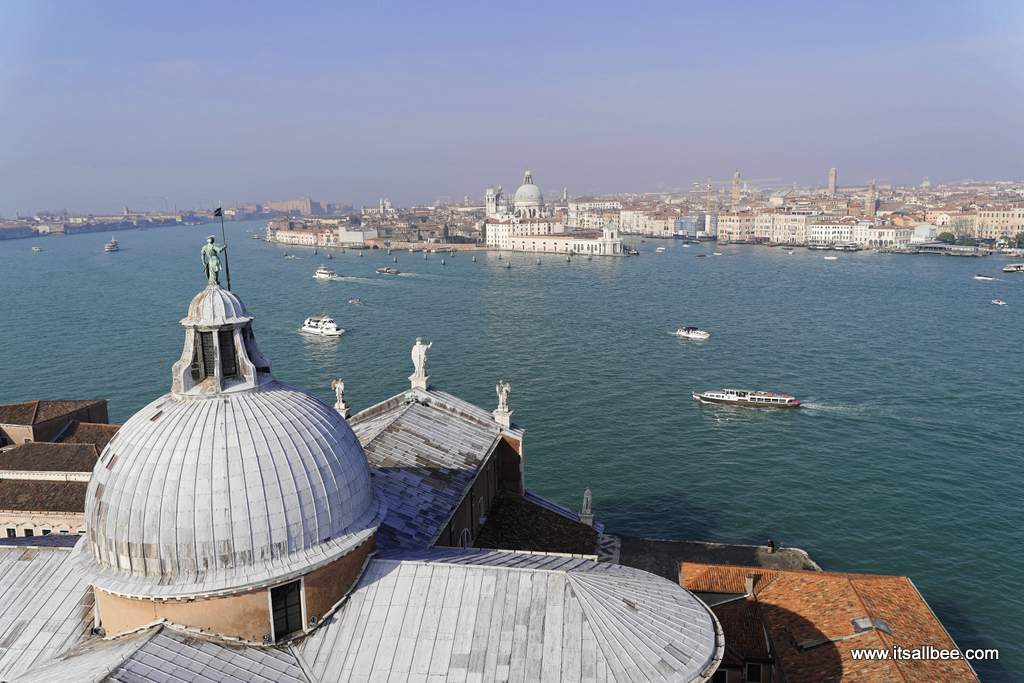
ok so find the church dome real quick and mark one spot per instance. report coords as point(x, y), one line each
point(528, 196)
point(226, 487)
point(213, 307)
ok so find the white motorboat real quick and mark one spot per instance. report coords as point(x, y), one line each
point(983, 278)
point(322, 326)
point(111, 246)
point(1013, 268)
point(660, 249)
point(831, 258)
point(998, 302)
point(747, 399)
point(716, 253)
point(384, 270)
point(324, 273)
point(689, 332)
point(37, 249)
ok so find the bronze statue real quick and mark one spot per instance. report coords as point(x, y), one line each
point(210, 254)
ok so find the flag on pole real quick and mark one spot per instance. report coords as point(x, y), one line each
point(218, 212)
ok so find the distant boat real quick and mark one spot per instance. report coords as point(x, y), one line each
point(747, 398)
point(689, 332)
point(716, 253)
point(37, 249)
point(701, 256)
point(321, 325)
point(660, 249)
point(1013, 268)
point(789, 251)
point(983, 278)
point(111, 246)
point(324, 273)
point(831, 258)
point(384, 270)
point(356, 302)
point(998, 302)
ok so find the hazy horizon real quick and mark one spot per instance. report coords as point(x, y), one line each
point(148, 106)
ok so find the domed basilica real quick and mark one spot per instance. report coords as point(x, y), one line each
point(240, 529)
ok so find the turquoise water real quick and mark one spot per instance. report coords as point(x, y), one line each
point(906, 459)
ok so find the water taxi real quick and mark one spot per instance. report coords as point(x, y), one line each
point(689, 332)
point(385, 270)
point(998, 302)
point(111, 246)
point(1013, 268)
point(983, 278)
point(747, 399)
point(322, 326)
point(324, 273)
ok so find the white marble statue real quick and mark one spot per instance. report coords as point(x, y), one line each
point(419, 363)
point(588, 503)
point(502, 389)
point(339, 394)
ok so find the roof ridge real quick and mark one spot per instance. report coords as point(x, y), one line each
point(35, 411)
point(878, 632)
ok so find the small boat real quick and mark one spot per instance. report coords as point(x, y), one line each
point(37, 249)
point(831, 258)
point(790, 251)
point(442, 262)
point(632, 252)
point(689, 332)
point(314, 252)
point(508, 265)
point(716, 253)
point(686, 245)
point(1013, 268)
point(983, 278)
point(356, 302)
point(321, 325)
point(330, 256)
point(746, 398)
point(701, 256)
point(386, 270)
point(324, 273)
point(998, 302)
point(660, 249)
point(474, 259)
point(111, 246)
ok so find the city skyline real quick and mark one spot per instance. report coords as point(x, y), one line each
point(154, 107)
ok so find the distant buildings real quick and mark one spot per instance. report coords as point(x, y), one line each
point(526, 224)
point(833, 180)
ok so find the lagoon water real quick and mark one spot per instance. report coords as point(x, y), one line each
point(906, 458)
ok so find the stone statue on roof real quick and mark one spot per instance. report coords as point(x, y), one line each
point(419, 363)
point(210, 253)
point(502, 388)
point(339, 395)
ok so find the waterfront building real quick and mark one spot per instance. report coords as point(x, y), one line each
point(648, 222)
point(997, 222)
point(826, 231)
point(528, 225)
point(690, 226)
point(801, 626)
point(736, 227)
point(240, 526)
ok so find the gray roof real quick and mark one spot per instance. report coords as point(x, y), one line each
point(45, 606)
point(215, 307)
point(424, 449)
point(169, 654)
point(453, 615)
point(198, 495)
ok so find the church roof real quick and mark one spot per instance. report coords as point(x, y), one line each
point(45, 606)
point(456, 614)
point(200, 496)
point(36, 412)
point(424, 449)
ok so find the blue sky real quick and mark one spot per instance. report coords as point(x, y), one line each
point(138, 103)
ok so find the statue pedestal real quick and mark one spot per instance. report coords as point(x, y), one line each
point(503, 418)
point(343, 408)
point(418, 381)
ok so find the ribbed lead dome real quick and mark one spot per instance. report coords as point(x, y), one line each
point(213, 307)
point(231, 481)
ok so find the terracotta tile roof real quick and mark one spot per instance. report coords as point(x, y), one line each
point(808, 616)
point(96, 433)
point(43, 456)
point(35, 412)
point(26, 495)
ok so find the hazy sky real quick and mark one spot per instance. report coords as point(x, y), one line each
point(108, 104)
